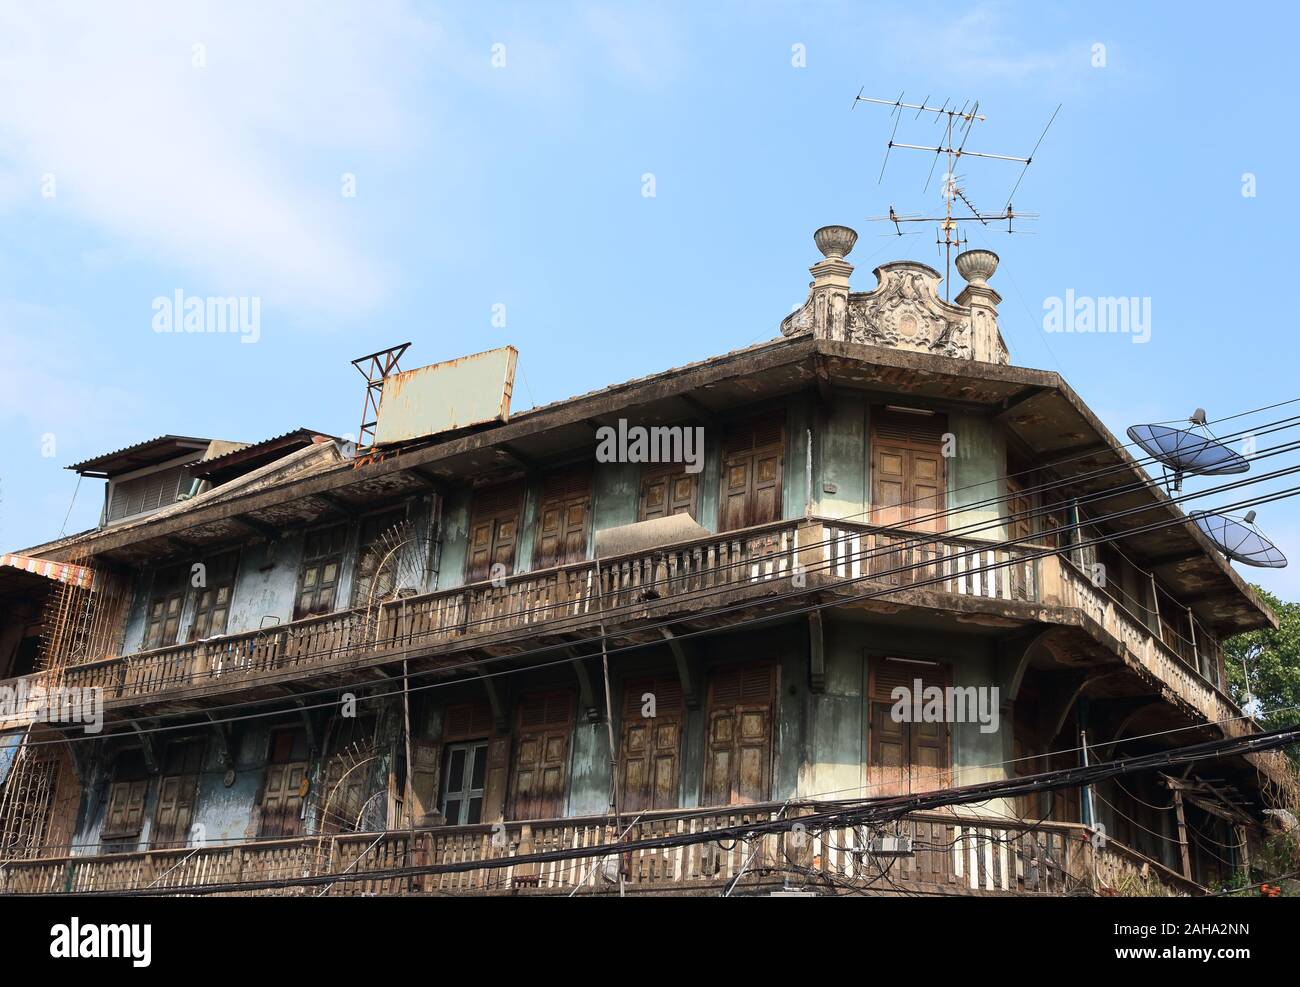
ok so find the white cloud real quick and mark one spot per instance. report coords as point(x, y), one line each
point(203, 167)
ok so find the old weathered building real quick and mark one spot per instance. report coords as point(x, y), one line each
point(314, 666)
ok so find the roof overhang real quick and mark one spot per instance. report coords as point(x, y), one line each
point(1036, 406)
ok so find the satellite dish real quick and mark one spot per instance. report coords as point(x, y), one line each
point(1186, 450)
point(1240, 539)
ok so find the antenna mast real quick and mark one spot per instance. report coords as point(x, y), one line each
point(958, 207)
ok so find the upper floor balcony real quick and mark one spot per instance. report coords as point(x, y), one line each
point(775, 570)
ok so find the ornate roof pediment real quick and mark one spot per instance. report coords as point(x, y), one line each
point(904, 311)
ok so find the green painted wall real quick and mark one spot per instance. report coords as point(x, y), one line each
point(975, 474)
point(841, 461)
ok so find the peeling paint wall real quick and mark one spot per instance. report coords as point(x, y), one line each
point(265, 585)
point(976, 474)
point(841, 461)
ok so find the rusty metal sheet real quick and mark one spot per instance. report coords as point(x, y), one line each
point(470, 390)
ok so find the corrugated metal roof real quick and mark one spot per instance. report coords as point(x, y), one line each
point(144, 453)
point(256, 453)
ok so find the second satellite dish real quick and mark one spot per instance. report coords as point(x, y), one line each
point(1240, 539)
point(1185, 450)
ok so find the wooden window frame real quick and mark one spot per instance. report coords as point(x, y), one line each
point(366, 541)
point(288, 826)
point(563, 490)
point(643, 788)
point(169, 586)
point(879, 700)
point(211, 608)
point(509, 511)
point(717, 711)
point(535, 802)
point(912, 436)
point(475, 757)
point(129, 786)
point(741, 449)
point(670, 474)
point(187, 784)
point(319, 561)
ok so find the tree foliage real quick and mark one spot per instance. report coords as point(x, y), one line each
point(1263, 667)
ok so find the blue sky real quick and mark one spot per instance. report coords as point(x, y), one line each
point(204, 147)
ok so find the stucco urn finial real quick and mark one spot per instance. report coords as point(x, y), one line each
point(835, 242)
point(977, 266)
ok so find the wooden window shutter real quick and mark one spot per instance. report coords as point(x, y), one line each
point(466, 721)
point(562, 515)
point(496, 786)
point(125, 813)
point(905, 757)
point(908, 473)
point(284, 785)
point(650, 748)
point(541, 768)
point(494, 529)
point(177, 791)
point(752, 465)
point(738, 742)
point(666, 491)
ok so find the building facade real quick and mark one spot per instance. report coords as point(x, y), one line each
point(867, 559)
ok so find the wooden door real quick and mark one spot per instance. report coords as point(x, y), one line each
point(284, 785)
point(494, 530)
point(177, 792)
point(752, 464)
point(738, 744)
point(541, 770)
point(124, 815)
point(563, 512)
point(905, 757)
point(666, 491)
point(651, 746)
point(908, 478)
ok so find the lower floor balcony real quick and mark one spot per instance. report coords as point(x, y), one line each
point(941, 854)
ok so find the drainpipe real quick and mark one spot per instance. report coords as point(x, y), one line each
point(1076, 534)
point(808, 478)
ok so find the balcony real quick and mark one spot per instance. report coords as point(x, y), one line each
point(953, 855)
point(751, 568)
point(686, 578)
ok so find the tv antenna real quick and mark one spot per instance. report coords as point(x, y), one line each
point(958, 123)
